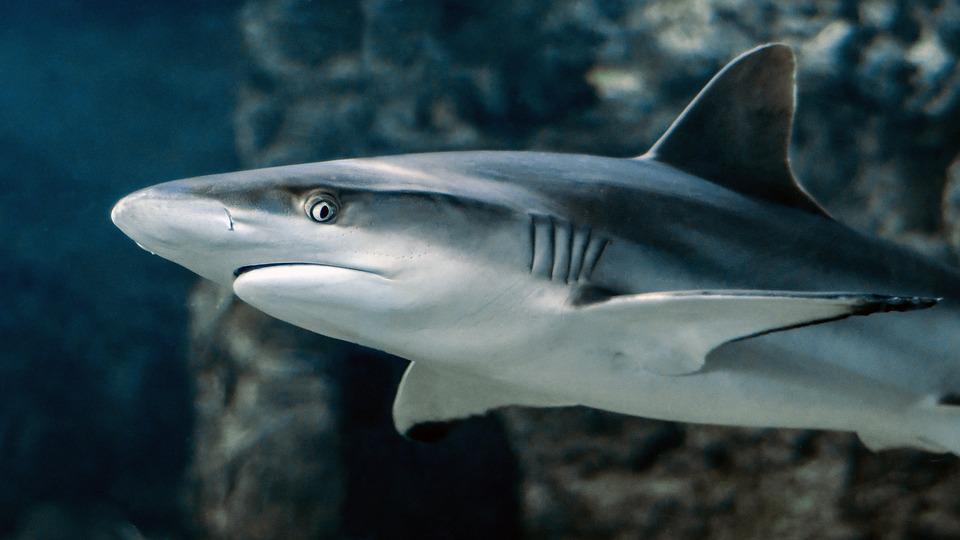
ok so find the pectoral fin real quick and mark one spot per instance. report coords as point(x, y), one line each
point(671, 333)
point(429, 400)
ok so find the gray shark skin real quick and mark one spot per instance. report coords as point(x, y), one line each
point(696, 283)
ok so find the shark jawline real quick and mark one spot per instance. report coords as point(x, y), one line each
point(250, 267)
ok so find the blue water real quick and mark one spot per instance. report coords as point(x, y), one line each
point(98, 99)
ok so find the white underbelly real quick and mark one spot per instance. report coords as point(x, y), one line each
point(859, 373)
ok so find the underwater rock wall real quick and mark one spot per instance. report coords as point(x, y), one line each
point(293, 432)
point(266, 462)
point(294, 440)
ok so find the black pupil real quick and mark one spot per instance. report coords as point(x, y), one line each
point(324, 210)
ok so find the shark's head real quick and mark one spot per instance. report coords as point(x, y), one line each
point(365, 250)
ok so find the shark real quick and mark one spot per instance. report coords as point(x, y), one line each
point(698, 282)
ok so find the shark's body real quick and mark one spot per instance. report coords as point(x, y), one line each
point(653, 286)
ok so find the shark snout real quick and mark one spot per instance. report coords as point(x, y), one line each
point(158, 215)
point(128, 210)
point(167, 212)
point(183, 226)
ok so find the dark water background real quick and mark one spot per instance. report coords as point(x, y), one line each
point(98, 99)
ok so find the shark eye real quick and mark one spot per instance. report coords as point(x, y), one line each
point(322, 208)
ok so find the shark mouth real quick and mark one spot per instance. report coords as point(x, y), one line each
point(251, 267)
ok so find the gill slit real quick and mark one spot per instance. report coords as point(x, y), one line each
point(596, 259)
point(563, 251)
point(533, 242)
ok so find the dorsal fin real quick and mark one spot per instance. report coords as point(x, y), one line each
point(736, 132)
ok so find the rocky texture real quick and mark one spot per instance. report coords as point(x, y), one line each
point(589, 474)
point(267, 465)
point(877, 128)
point(294, 440)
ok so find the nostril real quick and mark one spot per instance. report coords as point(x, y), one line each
point(229, 219)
